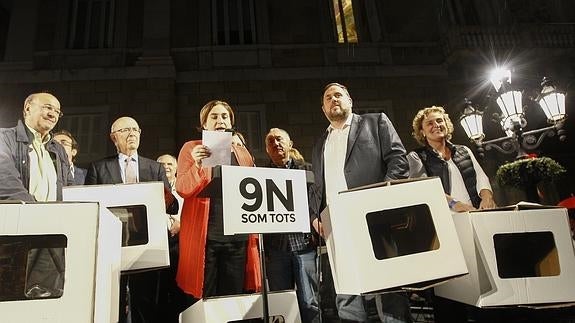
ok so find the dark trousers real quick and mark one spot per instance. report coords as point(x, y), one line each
point(124, 301)
point(144, 296)
point(224, 269)
point(154, 295)
point(172, 300)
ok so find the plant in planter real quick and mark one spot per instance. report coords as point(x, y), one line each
point(527, 173)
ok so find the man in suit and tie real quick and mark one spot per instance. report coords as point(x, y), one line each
point(70, 145)
point(128, 167)
point(355, 151)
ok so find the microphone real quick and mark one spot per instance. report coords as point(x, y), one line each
point(242, 140)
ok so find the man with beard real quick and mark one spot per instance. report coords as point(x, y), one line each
point(291, 257)
point(128, 167)
point(356, 151)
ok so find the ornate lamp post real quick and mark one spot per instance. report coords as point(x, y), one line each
point(512, 118)
point(524, 173)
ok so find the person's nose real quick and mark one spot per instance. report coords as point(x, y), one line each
point(51, 114)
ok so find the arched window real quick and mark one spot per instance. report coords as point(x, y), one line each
point(344, 19)
point(233, 22)
point(91, 24)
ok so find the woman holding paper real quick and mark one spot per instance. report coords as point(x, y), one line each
point(210, 263)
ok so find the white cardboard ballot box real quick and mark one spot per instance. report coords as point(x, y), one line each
point(141, 209)
point(517, 255)
point(282, 308)
point(88, 237)
point(392, 235)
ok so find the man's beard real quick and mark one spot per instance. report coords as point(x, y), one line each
point(339, 116)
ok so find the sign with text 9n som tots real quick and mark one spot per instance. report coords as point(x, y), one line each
point(264, 200)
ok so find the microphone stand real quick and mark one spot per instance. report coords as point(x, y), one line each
point(265, 303)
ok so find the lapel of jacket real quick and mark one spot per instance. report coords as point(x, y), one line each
point(144, 170)
point(320, 152)
point(353, 133)
point(113, 169)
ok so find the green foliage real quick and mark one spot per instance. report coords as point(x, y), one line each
point(529, 171)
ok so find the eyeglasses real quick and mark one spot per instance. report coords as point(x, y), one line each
point(128, 130)
point(49, 108)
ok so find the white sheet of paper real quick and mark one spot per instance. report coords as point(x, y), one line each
point(220, 144)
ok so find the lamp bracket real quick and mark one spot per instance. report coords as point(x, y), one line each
point(521, 142)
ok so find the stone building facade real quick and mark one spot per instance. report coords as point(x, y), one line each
point(160, 61)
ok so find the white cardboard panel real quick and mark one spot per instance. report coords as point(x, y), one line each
point(483, 287)
point(241, 307)
point(82, 223)
point(108, 267)
point(267, 218)
point(151, 255)
point(356, 270)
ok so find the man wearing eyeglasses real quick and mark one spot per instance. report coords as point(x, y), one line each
point(127, 166)
point(34, 167)
point(70, 145)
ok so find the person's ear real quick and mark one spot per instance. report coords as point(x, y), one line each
point(74, 152)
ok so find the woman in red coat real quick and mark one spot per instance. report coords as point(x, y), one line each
point(211, 264)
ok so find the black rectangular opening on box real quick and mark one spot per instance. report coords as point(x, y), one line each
point(402, 231)
point(272, 318)
point(526, 254)
point(134, 224)
point(32, 266)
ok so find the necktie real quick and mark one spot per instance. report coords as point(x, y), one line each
point(130, 171)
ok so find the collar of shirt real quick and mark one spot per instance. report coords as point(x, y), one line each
point(287, 165)
point(122, 157)
point(122, 161)
point(345, 125)
point(34, 135)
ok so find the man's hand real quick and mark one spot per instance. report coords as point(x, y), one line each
point(463, 207)
point(487, 201)
point(318, 227)
point(175, 228)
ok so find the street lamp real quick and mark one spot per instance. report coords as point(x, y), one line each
point(509, 99)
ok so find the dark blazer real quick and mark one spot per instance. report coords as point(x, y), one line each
point(107, 171)
point(79, 175)
point(374, 154)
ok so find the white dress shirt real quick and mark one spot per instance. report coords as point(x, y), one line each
point(122, 161)
point(458, 189)
point(334, 160)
